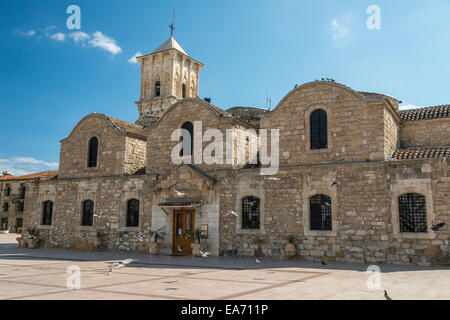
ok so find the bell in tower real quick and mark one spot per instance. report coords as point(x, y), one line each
point(167, 75)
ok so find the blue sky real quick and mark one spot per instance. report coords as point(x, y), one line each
point(50, 77)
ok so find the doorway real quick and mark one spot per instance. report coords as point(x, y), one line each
point(183, 232)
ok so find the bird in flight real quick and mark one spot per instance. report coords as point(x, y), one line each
point(336, 183)
point(118, 265)
point(437, 227)
point(180, 248)
point(231, 212)
point(257, 261)
point(326, 204)
point(178, 193)
point(204, 254)
point(386, 296)
point(227, 180)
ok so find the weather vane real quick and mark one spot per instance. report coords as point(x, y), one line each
point(172, 25)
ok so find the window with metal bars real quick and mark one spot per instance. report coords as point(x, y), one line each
point(133, 213)
point(250, 213)
point(412, 212)
point(20, 206)
point(93, 152)
point(47, 213)
point(88, 213)
point(318, 126)
point(320, 213)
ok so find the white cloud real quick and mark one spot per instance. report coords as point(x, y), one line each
point(99, 40)
point(133, 58)
point(58, 36)
point(339, 30)
point(79, 36)
point(96, 40)
point(409, 107)
point(23, 33)
point(20, 166)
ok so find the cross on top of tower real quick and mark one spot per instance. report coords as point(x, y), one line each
point(172, 25)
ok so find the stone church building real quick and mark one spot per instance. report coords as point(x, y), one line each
point(358, 179)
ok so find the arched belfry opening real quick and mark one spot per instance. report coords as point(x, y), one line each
point(181, 79)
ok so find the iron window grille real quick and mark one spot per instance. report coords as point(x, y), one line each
point(319, 134)
point(320, 213)
point(88, 213)
point(47, 214)
point(412, 213)
point(133, 213)
point(250, 213)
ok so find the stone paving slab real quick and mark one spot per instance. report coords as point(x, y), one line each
point(42, 274)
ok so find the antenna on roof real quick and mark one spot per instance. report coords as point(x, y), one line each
point(172, 25)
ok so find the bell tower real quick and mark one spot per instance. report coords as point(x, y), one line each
point(167, 75)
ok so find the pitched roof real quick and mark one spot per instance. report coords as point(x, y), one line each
point(247, 113)
point(45, 175)
point(6, 177)
point(171, 43)
point(127, 127)
point(437, 112)
point(421, 153)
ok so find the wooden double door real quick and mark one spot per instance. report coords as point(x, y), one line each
point(183, 231)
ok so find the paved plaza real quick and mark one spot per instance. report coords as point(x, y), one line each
point(42, 274)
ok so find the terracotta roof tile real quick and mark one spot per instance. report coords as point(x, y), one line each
point(127, 127)
point(437, 112)
point(42, 175)
point(421, 153)
point(7, 177)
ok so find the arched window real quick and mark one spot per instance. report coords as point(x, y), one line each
point(88, 213)
point(133, 213)
point(318, 124)
point(93, 152)
point(320, 213)
point(47, 213)
point(157, 89)
point(183, 91)
point(413, 213)
point(188, 139)
point(250, 213)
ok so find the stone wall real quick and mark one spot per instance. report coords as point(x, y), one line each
point(160, 149)
point(391, 133)
point(425, 133)
point(355, 127)
point(363, 214)
point(117, 153)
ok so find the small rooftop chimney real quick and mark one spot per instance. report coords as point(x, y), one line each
point(208, 100)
